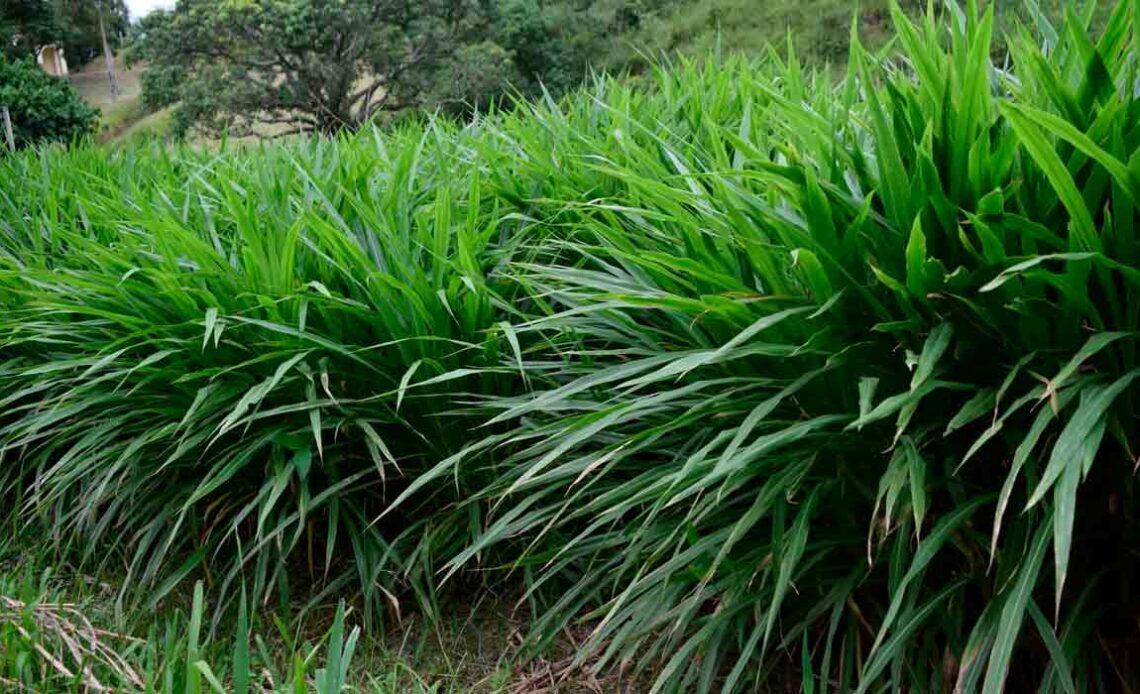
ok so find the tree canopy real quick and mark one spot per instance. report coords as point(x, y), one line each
point(308, 65)
point(79, 33)
point(273, 66)
point(25, 25)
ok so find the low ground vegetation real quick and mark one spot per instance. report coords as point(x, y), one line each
point(756, 377)
point(58, 632)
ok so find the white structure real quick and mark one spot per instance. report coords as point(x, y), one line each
point(50, 58)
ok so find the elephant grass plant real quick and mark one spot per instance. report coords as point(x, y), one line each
point(763, 377)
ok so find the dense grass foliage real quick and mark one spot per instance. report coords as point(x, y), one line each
point(261, 320)
point(760, 375)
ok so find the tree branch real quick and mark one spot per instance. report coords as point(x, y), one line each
point(288, 119)
point(367, 91)
point(417, 56)
point(382, 105)
point(286, 133)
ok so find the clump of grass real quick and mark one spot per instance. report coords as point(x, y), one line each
point(223, 365)
point(837, 384)
point(50, 644)
point(55, 642)
point(755, 374)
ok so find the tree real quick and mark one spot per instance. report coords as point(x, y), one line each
point(79, 27)
point(284, 66)
point(25, 25)
point(43, 108)
point(555, 43)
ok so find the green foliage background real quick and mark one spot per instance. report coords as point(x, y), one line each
point(43, 108)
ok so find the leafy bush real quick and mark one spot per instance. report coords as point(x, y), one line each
point(555, 43)
point(763, 376)
point(43, 108)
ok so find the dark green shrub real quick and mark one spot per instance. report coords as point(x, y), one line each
point(43, 108)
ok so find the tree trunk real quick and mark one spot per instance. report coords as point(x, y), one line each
point(108, 57)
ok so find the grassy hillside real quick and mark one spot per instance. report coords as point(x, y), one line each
point(818, 30)
point(118, 115)
point(739, 377)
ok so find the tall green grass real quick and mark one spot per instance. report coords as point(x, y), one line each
point(763, 377)
point(225, 364)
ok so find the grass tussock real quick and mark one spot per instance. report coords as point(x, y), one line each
point(758, 375)
point(55, 636)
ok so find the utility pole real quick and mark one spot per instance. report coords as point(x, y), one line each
point(7, 118)
point(108, 56)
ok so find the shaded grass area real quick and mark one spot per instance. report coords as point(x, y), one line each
point(120, 114)
point(61, 630)
point(93, 85)
point(152, 126)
